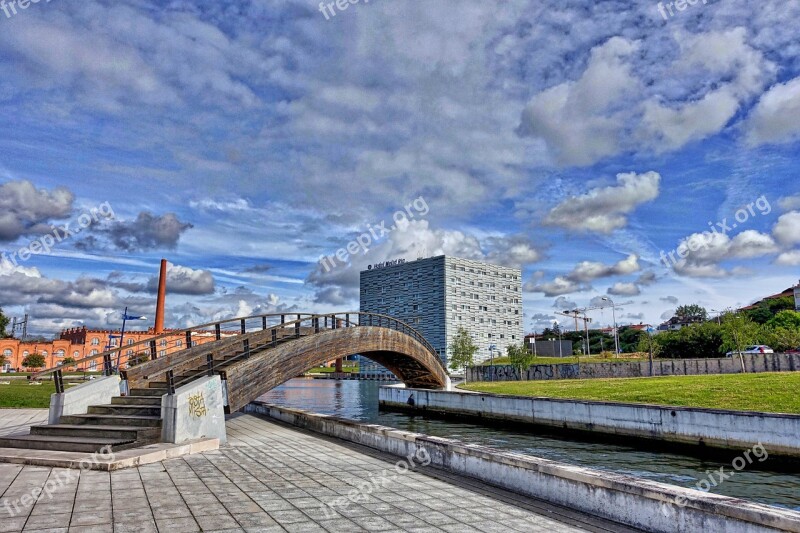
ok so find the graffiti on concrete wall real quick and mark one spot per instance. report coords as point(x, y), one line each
point(197, 405)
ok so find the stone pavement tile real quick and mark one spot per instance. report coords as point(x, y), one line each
point(458, 528)
point(90, 519)
point(184, 525)
point(131, 515)
point(127, 503)
point(97, 528)
point(373, 523)
point(255, 520)
point(48, 530)
point(216, 522)
point(265, 529)
point(54, 507)
point(303, 527)
point(435, 518)
point(245, 505)
point(275, 505)
point(288, 517)
point(162, 513)
point(141, 526)
point(10, 525)
point(205, 509)
point(47, 521)
point(405, 521)
point(340, 525)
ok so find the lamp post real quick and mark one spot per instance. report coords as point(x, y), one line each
point(125, 318)
point(614, 315)
point(491, 358)
point(557, 327)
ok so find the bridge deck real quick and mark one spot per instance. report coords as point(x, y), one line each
point(274, 478)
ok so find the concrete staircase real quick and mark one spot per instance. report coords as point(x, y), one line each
point(127, 422)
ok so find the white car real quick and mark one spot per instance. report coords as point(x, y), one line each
point(758, 348)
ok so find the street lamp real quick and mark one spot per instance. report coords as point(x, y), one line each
point(125, 318)
point(614, 315)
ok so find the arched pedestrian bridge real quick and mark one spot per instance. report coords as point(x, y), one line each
point(251, 356)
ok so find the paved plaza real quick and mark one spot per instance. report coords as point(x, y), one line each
point(271, 478)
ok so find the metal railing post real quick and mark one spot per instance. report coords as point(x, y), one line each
point(58, 377)
point(244, 326)
point(263, 322)
point(274, 337)
point(297, 330)
point(246, 346)
point(315, 322)
point(153, 351)
point(217, 331)
point(107, 365)
point(210, 363)
point(170, 382)
point(188, 339)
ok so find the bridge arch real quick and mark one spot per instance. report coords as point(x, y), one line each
point(410, 360)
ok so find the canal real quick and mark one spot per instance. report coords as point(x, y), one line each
point(358, 400)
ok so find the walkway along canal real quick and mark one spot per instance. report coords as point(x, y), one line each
point(358, 400)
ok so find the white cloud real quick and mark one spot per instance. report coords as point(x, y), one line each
point(586, 271)
point(581, 120)
point(557, 287)
point(26, 210)
point(787, 229)
point(776, 117)
point(624, 289)
point(789, 203)
point(185, 280)
point(606, 209)
point(705, 251)
point(791, 258)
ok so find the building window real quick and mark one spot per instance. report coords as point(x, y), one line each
point(178, 342)
point(44, 353)
point(162, 353)
point(130, 341)
point(513, 337)
point(92, 366)
point(489, 335)
point(415, 308)
point(502, 336)
point(8, 353)
point(112, 342)
point(76, 354)
point(130, 352)
point(163, 342)
point(95, 342)
point(25, 353)
point(94, 352)
point(60, 353)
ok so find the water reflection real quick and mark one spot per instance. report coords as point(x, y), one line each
point(358, 400)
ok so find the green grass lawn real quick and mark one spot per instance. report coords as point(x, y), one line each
point(330, 369)
point(769, 392)
point(21, 395)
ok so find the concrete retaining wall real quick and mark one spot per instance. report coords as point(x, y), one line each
point(648, 505)
point(195, 411)
point(76, 400)
point(754, 363)
point(737, 430)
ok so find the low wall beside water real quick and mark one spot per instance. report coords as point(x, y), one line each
point(754, 363)
point(716, 428)
point(640, 503)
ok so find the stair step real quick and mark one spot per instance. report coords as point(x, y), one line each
point(102, 432)
point(133, 421)
point(147, 392)
point(62, 443)
point(137, 400)
point(126, 410)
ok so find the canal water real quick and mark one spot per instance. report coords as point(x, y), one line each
point(358, 400)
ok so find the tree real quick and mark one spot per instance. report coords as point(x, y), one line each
point(68, 362)
point(3, 325)
point(692, 313)
point(693, 341)
point(782, 339)
point(2, 360)
point(34, 360)
point(785, 319)
point(738, 332)
point(462, 351)
point(519, 357)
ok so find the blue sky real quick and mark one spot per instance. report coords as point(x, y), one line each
point(243, 141)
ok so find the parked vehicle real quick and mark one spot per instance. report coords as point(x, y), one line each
point(758, 348)
point(794, 351)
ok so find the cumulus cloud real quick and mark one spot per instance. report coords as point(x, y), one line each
point(581, 120)
point(789, 203)
point(790, 258)
point(560, 285)
point(26, 210)
point(776, 116)
point(586, 271)
point(624, 289)
point(670, 299)
point(413, 239)
point(185, 280)
point(563, 304)
point(147, 232)
point(605, 209)
point(787, 229)
point(705, 251)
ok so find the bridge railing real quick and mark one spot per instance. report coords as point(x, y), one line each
point(125, 352)
point(210, 362)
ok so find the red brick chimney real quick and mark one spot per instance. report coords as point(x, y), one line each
point(162, 296)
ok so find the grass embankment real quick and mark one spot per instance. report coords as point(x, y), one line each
point(571, 360)
point(330, 370)
point(769, 392)
point(19, 394)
